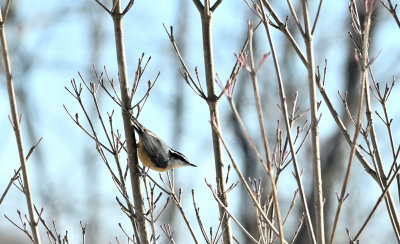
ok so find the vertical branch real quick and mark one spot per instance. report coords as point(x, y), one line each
point(134, 172)
point(363, 62)
point(17, 129)
point(212, 100)
point(255, 201)
point(253, 73)
point(282, 95)
point(318, 194)
point(393, 215)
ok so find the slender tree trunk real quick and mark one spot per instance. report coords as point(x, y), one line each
point(318, 193)
point(129, 131)
point(212, 100)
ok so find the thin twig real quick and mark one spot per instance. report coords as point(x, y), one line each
point(197, 211)
point(167, 231)
point(392, 10)
point(296, 19)
point(227, 211)
point(253, 75)
point(376, 205)
point(246, 185)
point(317, 16)
point(104, 7)
point(16, 173)
point(283, 28)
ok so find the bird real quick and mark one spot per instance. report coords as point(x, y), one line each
point(154, 153)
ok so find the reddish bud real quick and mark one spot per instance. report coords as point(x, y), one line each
point(370, 6)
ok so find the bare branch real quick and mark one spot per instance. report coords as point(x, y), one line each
point(296, 19)
point(316, 17)
point(128, 7)
point(215, 6)
point(104, 7)
point(227, 211)
point(392, 10)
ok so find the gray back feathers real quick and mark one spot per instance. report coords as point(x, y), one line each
point(156, 148)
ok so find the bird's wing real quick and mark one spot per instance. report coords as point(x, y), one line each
point(155, 148)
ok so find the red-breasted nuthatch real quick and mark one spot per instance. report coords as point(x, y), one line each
point(155, 153)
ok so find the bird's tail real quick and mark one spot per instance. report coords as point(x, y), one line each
point(136, 125)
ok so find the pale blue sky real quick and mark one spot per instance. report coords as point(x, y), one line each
point(56, 36)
